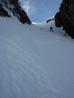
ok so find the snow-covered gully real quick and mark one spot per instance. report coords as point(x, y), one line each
point(34, 62)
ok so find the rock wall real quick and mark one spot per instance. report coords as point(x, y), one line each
point(3, 12)
point(65, 17)
point(14, 7)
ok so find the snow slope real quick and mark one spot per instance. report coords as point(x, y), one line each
point(34, 62)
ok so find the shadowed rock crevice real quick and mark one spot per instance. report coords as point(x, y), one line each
point(65, 17)
point(13, 6)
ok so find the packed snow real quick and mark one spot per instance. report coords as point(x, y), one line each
point(34, 61)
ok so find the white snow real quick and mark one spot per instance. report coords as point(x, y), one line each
point(34, 62)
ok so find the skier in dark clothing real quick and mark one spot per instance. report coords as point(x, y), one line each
point(51, 29)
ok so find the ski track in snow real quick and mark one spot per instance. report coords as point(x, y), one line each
point(34, 62)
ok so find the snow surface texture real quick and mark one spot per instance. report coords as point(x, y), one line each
point(34, 62)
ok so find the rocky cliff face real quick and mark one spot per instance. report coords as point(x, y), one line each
point(65, 17)
point(13, 6)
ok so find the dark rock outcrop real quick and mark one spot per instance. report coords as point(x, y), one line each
point(13, 6)
point(65, 17)
point(3, 12)
point(50, 20)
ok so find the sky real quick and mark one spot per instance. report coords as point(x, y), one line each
point(40, 10)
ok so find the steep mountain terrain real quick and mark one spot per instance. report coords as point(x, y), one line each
point(13, 6)
point(65, 17)
point(34, 61)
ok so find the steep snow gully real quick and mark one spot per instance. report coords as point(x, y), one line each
point(34, 62)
